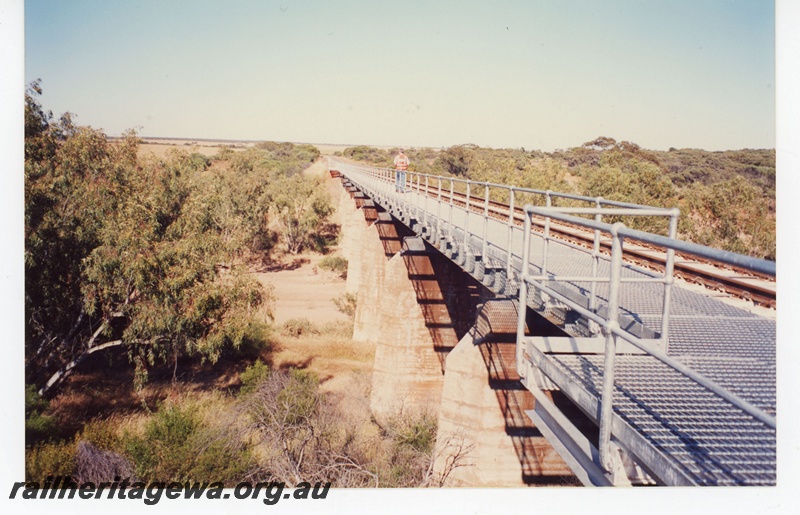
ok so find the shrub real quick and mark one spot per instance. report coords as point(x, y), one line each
point(296, 327)
point(300, 396)
point(415, 432)
point(257, 338)
point(304, 432)
point(102, 434)
point(198, 161)
point(49, 459)
point(164, 451)
point(335, 264)
point(253, 375)
point(411, 437)
point(96, 465)
point(347, 304)
point(38, 426)
point(300, 209)
point(178, 444)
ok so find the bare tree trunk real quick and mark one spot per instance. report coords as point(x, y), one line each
point(67, 369)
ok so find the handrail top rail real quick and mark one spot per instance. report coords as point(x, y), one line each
point(762, 266)
point(516, 189)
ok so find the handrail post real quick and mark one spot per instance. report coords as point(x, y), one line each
point(523, 296)
point(466, 223)
point(510, 233)
point(669, 279)
point(450, 218)
point(546, 239)
point(612, 324)
point(417, 201)
point(595, 256)
point(439, 212)
point(485, 223)
point(426, 199)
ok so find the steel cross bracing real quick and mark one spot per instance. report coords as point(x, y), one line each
point(682, 386)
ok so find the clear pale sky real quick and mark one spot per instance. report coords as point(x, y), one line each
point(534, 74)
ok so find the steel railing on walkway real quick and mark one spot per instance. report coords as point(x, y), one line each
point(496, 242)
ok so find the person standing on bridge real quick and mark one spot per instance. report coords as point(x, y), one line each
point(401, 163)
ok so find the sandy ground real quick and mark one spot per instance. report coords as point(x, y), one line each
point(303, 290)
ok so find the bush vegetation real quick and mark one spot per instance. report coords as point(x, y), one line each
point(278, 427)
point(297, 327)
point(336, 264)
point(727, 199)
point(150, 254)
point(347, 304)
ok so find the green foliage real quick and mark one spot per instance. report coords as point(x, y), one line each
point(299, 397)
point(151, 254)
point(257, 338)
point(253, 375)
point(368, 154)
point(49, 459)
point(456, 160)
point(102, 434)
point(224, 154)
point(303, 435)
point(415, 432)
point(335, 264)
point(717, 209)
point(412, 437)
point(199, 162)
point(178, 445)
point(300, 207)
point(38, 425)
point(34, 404)
point(732, 216)
point(640, 182)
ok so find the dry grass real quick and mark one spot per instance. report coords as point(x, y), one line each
point(329, 352)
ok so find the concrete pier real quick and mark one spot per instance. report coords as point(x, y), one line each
point(435, 352)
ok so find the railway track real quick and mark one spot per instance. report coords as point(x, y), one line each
point(740, 283)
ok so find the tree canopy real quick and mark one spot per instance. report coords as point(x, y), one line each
point(143, 253)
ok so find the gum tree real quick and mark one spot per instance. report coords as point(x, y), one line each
point(117, 254)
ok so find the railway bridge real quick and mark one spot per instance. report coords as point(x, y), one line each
point(602, 365)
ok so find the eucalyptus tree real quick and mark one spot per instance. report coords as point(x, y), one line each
point(118, 252)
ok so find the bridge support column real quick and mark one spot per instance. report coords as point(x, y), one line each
point(482, 421)
point(368, 264)
point(351, 240)
point(407, 374)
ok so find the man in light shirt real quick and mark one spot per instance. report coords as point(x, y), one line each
point(401, 163)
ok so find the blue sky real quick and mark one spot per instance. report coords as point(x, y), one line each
point(533, 74)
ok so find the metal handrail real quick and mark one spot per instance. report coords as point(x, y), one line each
point(610, 324)
point(389, 176)
point(386, 177)
point(436, 200)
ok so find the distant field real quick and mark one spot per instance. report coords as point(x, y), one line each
point(160, 146)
